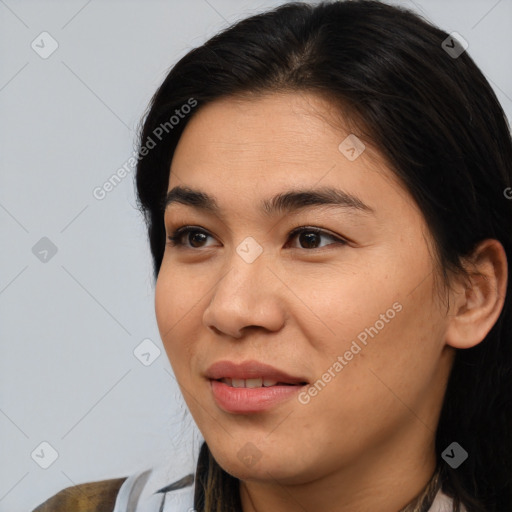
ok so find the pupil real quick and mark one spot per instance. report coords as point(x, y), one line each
point(196, 236)
point(308, 239)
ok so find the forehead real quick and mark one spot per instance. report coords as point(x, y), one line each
point(267, 128)
point(238, 147)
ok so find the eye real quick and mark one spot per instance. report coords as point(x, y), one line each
point(195, 237)
point(309, 237)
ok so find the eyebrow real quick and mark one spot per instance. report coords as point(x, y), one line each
point(284, 202)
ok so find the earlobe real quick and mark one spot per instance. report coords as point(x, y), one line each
point(478, 301)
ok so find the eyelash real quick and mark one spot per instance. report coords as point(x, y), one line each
point(175, 239)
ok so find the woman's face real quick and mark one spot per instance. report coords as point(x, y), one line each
point(347, 305)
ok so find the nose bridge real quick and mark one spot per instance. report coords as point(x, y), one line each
point(248, 264)
point(246, 294)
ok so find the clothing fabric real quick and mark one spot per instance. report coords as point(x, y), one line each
point(91, 497)
point(142, 493)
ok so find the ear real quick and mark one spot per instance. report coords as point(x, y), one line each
point(476, 304)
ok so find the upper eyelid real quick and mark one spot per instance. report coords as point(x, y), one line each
point(321, 231)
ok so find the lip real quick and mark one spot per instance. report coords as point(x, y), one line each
point(250, 370)
point(251, 400)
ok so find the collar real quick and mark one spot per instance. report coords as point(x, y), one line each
point(142, 492)
point(443, 503)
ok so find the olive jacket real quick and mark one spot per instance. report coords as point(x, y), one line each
point(91, 497)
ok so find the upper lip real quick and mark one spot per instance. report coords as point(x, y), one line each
point(250, 370)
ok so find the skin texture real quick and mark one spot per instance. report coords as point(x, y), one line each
point(366, 440)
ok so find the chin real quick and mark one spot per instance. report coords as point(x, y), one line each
point(249, 464)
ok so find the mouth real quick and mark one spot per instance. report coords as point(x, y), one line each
point(251, 374)
point(259, 382)
point(251, 386)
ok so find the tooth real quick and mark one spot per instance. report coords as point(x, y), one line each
point(269, 382)
point(238, 383)
point(253, 383)
point(226, 380)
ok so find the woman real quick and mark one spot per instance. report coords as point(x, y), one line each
point(325, 190)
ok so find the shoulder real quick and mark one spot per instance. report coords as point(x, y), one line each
point(88, 497)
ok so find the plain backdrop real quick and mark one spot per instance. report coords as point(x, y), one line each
point(76, 290)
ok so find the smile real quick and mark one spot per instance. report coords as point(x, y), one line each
point(254, 383)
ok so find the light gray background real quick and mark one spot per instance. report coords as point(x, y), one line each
point(70, 325)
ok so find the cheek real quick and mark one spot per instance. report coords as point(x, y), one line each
point(387, 330)
point(346, 304)
point(176, 309)
point(374, 389)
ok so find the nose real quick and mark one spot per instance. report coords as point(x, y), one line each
point(247, 295)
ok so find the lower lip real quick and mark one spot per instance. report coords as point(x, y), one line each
point(248, 400)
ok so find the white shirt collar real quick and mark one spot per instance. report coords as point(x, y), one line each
point(443, 503)
point(140, 493)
